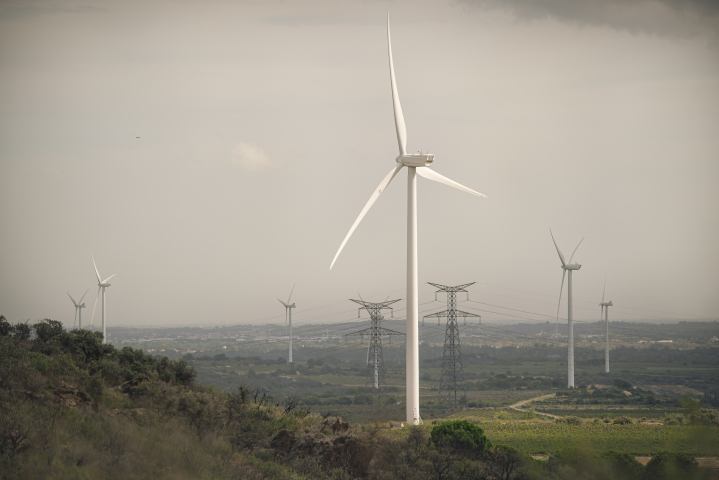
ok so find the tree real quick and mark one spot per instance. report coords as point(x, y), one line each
point(461, 437)
point(622, 465)
point(622, 384)
point(47, 330)
point(622, 421)
point(506, 462)
point(670, 465)
point(704, 416)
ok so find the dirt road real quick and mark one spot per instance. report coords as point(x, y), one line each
point(517, 406)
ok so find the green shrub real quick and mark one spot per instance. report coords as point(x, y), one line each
point(622, 384)
point(39, 362)
point(622, 465)
point(502, 415)
point(622, 421)
point(570, 420)
point(674, 419)
point(704, 416)
point(671, 465)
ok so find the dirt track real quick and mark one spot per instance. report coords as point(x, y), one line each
point(517, 405)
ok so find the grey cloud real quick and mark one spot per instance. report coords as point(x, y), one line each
point(674, 18)
point(20, 12)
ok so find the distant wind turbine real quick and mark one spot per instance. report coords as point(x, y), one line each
point(288, 308)
point(568, 267)
point(101, 285)
point(417, 164)
point(605, 311)
point(78, 308)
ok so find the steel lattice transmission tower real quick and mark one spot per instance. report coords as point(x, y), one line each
point(452, 377)
point(375, 385)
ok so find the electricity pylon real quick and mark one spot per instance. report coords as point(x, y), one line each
point(375, 385)
point(452, 377)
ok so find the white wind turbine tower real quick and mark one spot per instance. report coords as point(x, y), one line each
point(288, 308)
point(417, 164)
point(101, 285)
point(78, 307)
point(605, 313)
point(568, 267)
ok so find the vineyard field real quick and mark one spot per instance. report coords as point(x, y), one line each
point(542, 438)
point(592, 413)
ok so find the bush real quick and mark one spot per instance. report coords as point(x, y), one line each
point(622, 465)
point(461, 436)
point(622, 421)
point(622, 384)
point(571, 420)
point(502, 415)
point(363, 399)
point(704, 416)
point(671, 465)
point(675, 419)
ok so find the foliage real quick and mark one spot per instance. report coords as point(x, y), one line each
point(571, 420)
point(622, 384)
point(621, 465)
point(622, 421)
point(670, 465)
point(705, 416)
point(461, 436)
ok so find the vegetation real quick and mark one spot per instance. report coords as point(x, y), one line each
point(71, 407)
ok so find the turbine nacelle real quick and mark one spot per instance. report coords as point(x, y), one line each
point(571, 266)
point(416, 159)
point(606, 304)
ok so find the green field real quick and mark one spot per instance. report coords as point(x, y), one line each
point(546, 437)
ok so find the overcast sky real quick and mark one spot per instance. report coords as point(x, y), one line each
point(265, 126)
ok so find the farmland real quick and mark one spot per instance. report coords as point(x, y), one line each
point(546, 437)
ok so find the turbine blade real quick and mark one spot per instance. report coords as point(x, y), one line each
point(575, 250)
point(283, 303)
point(398, 117)
point(108, 278)
point(73, 300)
point(564, 272)
point(604, 289)
point(93, 307)
point(430, 174)
point(83, 295)
point(96, 271)
point(293, 289)
point(561, 256)
point(378, 191)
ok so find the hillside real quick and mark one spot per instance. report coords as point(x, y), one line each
point(71, 407)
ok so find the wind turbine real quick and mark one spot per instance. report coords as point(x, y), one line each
point(605, 311)
point(101, 285)
point(288, 308)
point(417, 164)
point(78, 307)
point(568, 267)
